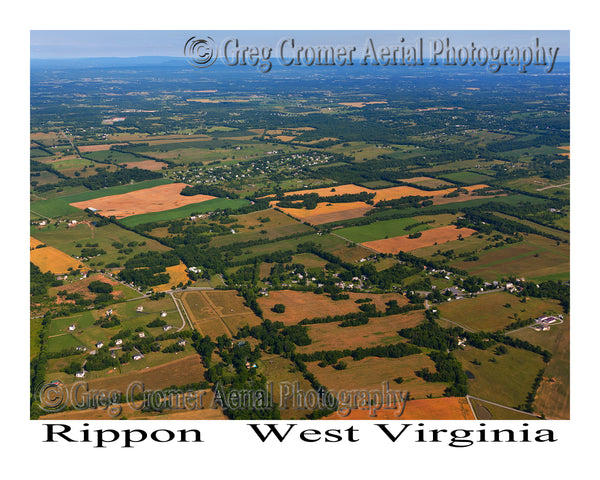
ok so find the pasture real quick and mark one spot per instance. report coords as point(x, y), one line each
point(493, 311)
point(505, 381)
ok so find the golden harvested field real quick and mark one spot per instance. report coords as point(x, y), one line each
point(155, 199)
point(203, 315)
point(371, 372)
point(177, 274)
point(53, 260)
point(34, 242)
point(97, 148)
point(329, 212)
point(301, 305)
point(390, 193)
point(379, 331)
point(445, 408)
point(334, 212)
point(428, 238)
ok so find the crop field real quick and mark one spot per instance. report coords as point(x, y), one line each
point(427, 182)
point(492, 311)
point(301, 305)
point(505, 381)
point(379, 331)
point(151, 165)
point(53, 260)
point(467, 177)
point(60, 206)
point(371, 372)
point(328, 212)
point(185, 211)
point(429, 237)
point(133, 412)
point(535, 258)
point(277, 225)
point(383, 194)
point(67, 238)
point(177, 274)
point(179, 371)
point(216, 313)
point(445, 408)
point(155, 199)
point(393, 228)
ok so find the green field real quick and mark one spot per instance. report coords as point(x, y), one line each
point(535, 258)
point(67, 239)
point(492, 311)
point(393, 228)
point(186, 211)
point(470, 178)
point(505, 381)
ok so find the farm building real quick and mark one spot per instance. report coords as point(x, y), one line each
point(71, 327)
point(118, 341)
point(139, 309)
point(80, 374)
point(137, 356)
point(99, 345)
point(163, 314)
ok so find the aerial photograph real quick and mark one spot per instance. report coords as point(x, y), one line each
point(299, 225)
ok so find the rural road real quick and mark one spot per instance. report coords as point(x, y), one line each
point(469, 397)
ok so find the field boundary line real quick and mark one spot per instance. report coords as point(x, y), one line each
point(458, 324)
point(500, 405)
point(356, 243)
point(213, 306)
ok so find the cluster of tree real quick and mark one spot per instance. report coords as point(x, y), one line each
point(549, 289)
point(203, 189)
point(40, 282)
point(429, 334)
point(101, 360)
point(98, 286)
point(448, 369)
point(104, 179)
point(310, 200)
point(108, 321)
point(331, 357)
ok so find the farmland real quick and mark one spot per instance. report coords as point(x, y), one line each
point(326, 214)
point(301, 305)
point(427, 238)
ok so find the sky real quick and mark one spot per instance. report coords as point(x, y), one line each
point(134, 43)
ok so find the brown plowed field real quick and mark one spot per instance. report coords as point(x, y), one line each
point(446, 408)
point(301, 305)
point(151, 165)
point(428, 238)
point(97, 148)
point(329, 212)
point(155, 199)
point(379, 331)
